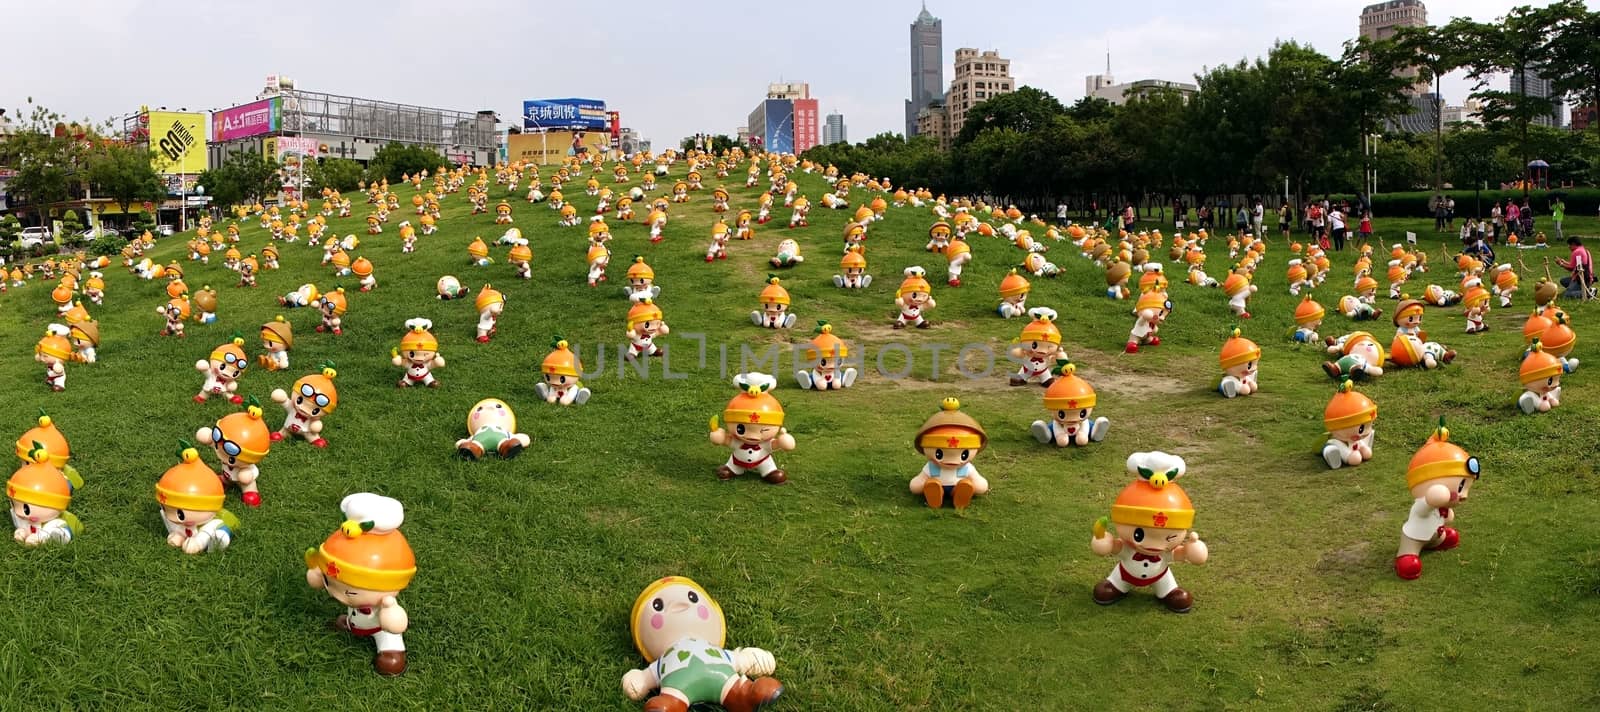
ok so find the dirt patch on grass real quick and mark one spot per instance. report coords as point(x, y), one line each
point(1351, 559)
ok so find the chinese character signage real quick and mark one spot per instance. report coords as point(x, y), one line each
point(805, 124)
point(251, 119)
point(568, 114)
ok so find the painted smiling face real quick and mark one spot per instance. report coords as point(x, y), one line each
point(492, 412)
point(1150, 540)
point(671, 610)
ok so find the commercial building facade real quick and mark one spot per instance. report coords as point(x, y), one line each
point(927, 66)
point(979, 76)
point(1119, 94)
point(834, 130)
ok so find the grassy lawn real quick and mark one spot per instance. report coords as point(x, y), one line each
point(868, 599)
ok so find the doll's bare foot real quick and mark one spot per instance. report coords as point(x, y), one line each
point(751, 695)
point(933, 494)
point(665, 703)
point(1106, 594)
point(390, 662)
point(470, 451)
point(963, 494)
point(1178, 601)
point(775, 477)
point(726, 473)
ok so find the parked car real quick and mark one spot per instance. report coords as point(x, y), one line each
point(163, 230)
point(32, 237)
point(89, 234)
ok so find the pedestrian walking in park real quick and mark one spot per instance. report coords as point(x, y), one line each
point(1180, 216)
point(1558, 213)
point(1450, 214)
point(1497, 221)
point(1513, 217)
point(1285, 219)
point(1257, 213)
point(1366, 230)
point(1438, 213)
point(1128, 218)
point(1336, 220)
point(1241, 221)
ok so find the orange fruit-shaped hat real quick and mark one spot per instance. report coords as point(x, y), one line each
point(319, 384)
point(232, 253)
point(1152, 280)
point(40, 483)
point(915, 281)
point(1559, 338)
point(1366, 284)
point(1440, 458)
point(853, 259)
point(54, 343)
point(1348, 408)
point(190, 484)
point(826, 345)
point(1155, 499)
point(95, 281)
point(177, 288)
point(477, 248)
point(1237, 350)
point(1235, 284)
point(62, 294)
point(48, 435)
point(362, 266)
point(278, 330)
point(1014, 284)
point(336, 300)
point(1043, 327)
point(1396, 272)
point(642, 311)
point(418, 337)
point(597, 252)
point(951, 428)
point(1505, 278)
point(956, 249)
point(562, 361)
point(486, 296)
point(245, 432)
point(1069, 391)
point(520, 253)
point(367, 551)
point(754, 404)
point(1407, 308)
point(1308, 311)
point(1475, 295)
point(1538, 364)
point(235, 348)
point(598, 226)
point(640, 270)
point(1297, 271)
point(1152, 300)
point(774, 293)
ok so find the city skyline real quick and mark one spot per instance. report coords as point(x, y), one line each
point(868, 82)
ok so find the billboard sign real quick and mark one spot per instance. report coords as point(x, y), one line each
point(572, 114)
point(181, 184)
point(780, 125)
point(805, 124)
point(553, 147)
point(177, 140)
point(252, 119)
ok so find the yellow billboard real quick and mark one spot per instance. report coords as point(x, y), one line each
point(554, 146)
point(177, 141)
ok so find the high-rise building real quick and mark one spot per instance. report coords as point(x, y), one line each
point(1096, 82)
point(833, 130)
point(1119, 94)
point(1534, 84)
point(1382, 20)
point(786, 120)
point(927, 66)
point(978, 76)
point(934, 121)
point(1584, 117)
point(1468, 113)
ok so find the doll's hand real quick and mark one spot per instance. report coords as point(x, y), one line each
point(202, 365)
point(203, 435)
point(278, 396)
point(246, 475)
point(396, 360)
point(391, 617)
point(1195, 550)
point(175, 539)
point(637, 684)
point(753, 661)
point(931, 304)
point(1437, 496)
point(665, 330)
point(1103, 545)
point(438, 362)
point(197, 543)
point(315, 427)
point(33, 539)
point(785, 440)
point(719, 437)
point(19, 534)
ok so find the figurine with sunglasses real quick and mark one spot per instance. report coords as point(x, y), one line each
point(223, 369)
point(240, 440)
point(314, 397)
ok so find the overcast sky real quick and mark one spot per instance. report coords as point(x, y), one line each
point(670, 72)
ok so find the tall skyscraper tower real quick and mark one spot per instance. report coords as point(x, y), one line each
point(1381, 20)
point(927, 66)
point(1532, 83)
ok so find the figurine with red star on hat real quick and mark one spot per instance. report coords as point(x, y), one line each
point(752, 427)
point(1070, 401)
point(950, 440)
point(1348, 419)
point(1440, 476)
point(1149, 528)
point(1239, 359)
point(825, 354)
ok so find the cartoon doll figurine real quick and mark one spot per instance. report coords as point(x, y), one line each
point(502, 213)
point(1349, 420)
point(559, 376)
point(645, 323)
point(489, 303)
point(54, 351)
point(788, 254)
point(205, 305)
point(1360, 356)
point(191, 498)
point(1036, 349)
point(913, 296)
point(1117, 275)
point(938, 237)
point(1440, 476)
point(774, 312)
point(39, 494)
point(1408, 348)
point(1541, 380)
point(1239, 359)
point(598, 257)
point(641, 281)
point(223, 369)
point(1308, 315)
point(362, 268)
point(1238, 288)
point(1070, 401)
point(332, 305)
point(950, 440)
point(364, 565)
point(1014, 290)
point(1149, 528)
point(1360, 307)
point(303, 296)
point(478, 251)
point(314, 397)
point(742, 227)
point(1150, 311)
point(277, 337)
point(448, 287)
point(520, 258)
point(1475, 305)
point(493, 429)
point(680, 631)
point(85, 338)
point(802, 208)
point(826, 354)
point(269, 257)
point(1558, 339)
point(94, 288)
point(1297, 277)
point(1505, 283)
point(1438, 296)
point(853, 270)
point(752, 427)
point(418, 354)
point(176, 311)
point(240, 439)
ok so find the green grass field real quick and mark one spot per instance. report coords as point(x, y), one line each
point(868, 599)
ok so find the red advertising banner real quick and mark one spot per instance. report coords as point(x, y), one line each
point(805, 124)
point(616, 128)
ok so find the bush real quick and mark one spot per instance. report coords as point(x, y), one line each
point(107, 246)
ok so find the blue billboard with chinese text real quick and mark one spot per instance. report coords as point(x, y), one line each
point(780, 126)
point(565, 114)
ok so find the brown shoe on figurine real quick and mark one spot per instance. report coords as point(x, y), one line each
point(470, 451)
point(724, 473)
point(1106, 594)
point(775, 477)
point(962, 496)
point(666, 703)
point(933, 493)
point(390, 662)
point(1178, 601)
point(751, 695)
